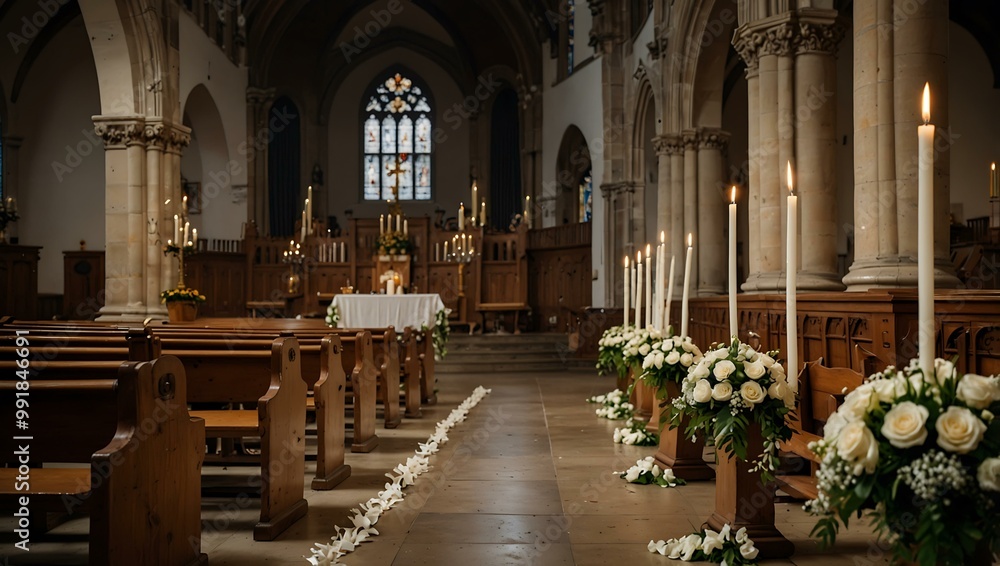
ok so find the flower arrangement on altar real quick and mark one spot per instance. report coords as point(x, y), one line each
point(189, 295)
point(669, 360)
point(721, 547)
point(394, 242)
point(920, 454)
point(648, 472)
point(731, 389)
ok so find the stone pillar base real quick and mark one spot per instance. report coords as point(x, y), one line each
point(894, 273)
point(808, 281)
point(764, 282)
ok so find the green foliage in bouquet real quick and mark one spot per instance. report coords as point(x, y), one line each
point(191, 295)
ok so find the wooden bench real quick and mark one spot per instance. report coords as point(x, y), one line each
point(269, 377)
point(128, 421)
point(358, 362)
point(821, 391)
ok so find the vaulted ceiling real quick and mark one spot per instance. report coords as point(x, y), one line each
point(482, 34)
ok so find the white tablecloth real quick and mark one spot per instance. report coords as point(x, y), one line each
point(379, 311)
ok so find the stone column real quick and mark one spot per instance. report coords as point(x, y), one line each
point(898, 46)
point(691, 204)
point(753, 180)
point(712, 212)
point(678, 236)
point(663, 189)
point(155, 204)
point(124, 249)
point(815, 149)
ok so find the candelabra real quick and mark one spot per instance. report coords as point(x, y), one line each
point(294, 258)
point(181, 244)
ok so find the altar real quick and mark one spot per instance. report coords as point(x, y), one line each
point(380, 311)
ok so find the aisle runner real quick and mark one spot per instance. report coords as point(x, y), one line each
point(364, 519)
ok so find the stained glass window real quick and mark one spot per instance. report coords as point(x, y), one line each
point(397, 141)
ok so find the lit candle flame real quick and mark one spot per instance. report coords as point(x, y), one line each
point(993, 166)
point(690, 239)
point(926, 106)
point(647, 251)
point(638, 257)
point(663, 237)
point(789, 178)
point(626, 261)
point(734, 195)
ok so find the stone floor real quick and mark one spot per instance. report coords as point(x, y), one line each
point(527, 479)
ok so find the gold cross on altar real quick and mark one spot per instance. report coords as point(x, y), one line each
point(395, 172)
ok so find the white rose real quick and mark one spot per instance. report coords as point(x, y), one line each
point(989, 474)
point(702, 391)
point(701, 370)
point(748, 550)
point(712, 541)
point(687, 345)
point(754, 370)
point(656, 471)
point(722, 391)
point(644, 349)
point(723, 369)
point(687, 359)
point(752, 392)
point(978, 391)
point(857, 403)
point(856, 444)
point(959, 430)
point(776, 371)
point(834, 425)
point(673, 357)
point(645, 465)
point(885, 390)
point(943, 369)
point(768, 361)
point(905, 425)
point(632, 474)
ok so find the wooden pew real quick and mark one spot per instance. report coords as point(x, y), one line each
point(129, 422)
point(362, 369)
point(270, 378)
point(427, 379)
point(821, 391)
point(389, 376)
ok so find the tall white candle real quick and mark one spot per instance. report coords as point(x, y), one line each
point(177, 228)
point(381, 224)
point(194, 236)
point(461, 216)
point(686, 294)
point(446, 251)
point(638, 290)
point(437, 251)
point(475, 199)
point(925, 239)
point(482, 214)
point(527, 210)
point(309, 208)
point(343, 251)
point(390, 286)
point(791, 282)
point(648, 317)
point(187, 227)
point(631, 290)
point(670, 297)
point(733, 315)
point(303, 231)
point(658, 294)
point(306, 217)
point(628, 291)
point(406, 227)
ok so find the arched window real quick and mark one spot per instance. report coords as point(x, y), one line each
point(397, 140)
point(284, 166)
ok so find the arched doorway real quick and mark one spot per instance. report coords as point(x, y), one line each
point(574, 196)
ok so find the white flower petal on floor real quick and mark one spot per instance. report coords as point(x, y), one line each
point(347, 540)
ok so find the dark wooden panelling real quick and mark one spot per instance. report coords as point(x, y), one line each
point(83, 284)
point(559, 275)
point(19, 281)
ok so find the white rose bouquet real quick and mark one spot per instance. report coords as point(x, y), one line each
point(610, 357)
point(723, 547)
point(669, 360)
point(730, 388)
point(920, 454)
point(647, 472)
point(638, 345)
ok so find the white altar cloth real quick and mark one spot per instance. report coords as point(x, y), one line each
point(380, 311)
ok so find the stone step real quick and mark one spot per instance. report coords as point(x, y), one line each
point(510, 353)
point(500, 367)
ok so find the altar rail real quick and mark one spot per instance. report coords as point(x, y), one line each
point(546, 271)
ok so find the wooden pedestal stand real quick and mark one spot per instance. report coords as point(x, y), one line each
point(742, 500)
point(679, 453)
point(653, 426)
point(645, 398)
